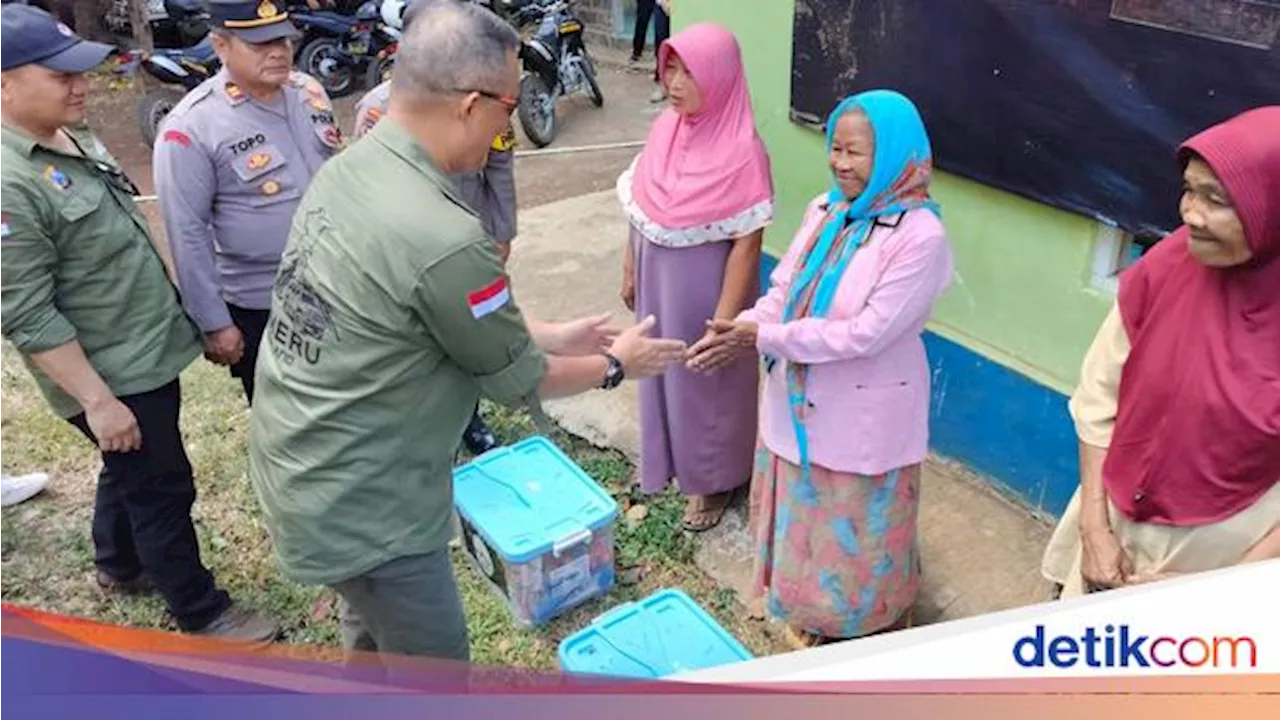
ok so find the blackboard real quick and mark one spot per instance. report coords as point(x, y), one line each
point(1076, 103)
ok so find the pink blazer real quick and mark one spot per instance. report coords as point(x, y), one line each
point(868, 385)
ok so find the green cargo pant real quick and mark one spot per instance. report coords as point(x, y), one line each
point(408, 606)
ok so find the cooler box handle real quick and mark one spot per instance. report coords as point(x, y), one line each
point(573, 539)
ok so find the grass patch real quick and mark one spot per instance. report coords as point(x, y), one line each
point(48, 550)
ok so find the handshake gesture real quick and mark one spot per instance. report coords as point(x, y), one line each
point(644, 356)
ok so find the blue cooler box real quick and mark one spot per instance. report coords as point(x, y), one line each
point(664, 634)
point(537, 526)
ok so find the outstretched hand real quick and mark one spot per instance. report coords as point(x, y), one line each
point(585, 336)
point(723, 342)
point(642, 356)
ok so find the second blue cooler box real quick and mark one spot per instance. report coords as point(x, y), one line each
point(664, 634)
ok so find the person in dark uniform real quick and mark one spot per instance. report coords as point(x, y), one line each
point(231, 162)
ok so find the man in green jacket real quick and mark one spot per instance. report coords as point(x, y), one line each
point(391, 315)
point(87, 303)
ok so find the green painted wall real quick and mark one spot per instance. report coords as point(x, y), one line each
point(1022, 296)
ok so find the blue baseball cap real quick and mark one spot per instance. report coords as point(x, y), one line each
point(31, 35)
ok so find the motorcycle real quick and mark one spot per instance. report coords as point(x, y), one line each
point(179, 69)
point(174, 23)
point(335, 48)
point(392, 14)
point(555, 63)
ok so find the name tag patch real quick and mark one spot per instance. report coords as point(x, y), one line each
point(489, 298)
point(246, 144)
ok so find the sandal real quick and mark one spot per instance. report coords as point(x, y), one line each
point(711, 511)
point(802, 639)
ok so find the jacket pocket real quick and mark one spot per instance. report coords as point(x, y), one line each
point(885, 417)
point(86, 199)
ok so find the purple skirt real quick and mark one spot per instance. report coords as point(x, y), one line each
point(698, 429)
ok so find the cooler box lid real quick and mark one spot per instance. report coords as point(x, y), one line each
point(530, 498)
point(664, 634)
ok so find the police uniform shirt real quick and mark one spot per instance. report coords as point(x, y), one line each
point(491, 192)
point(229, 173)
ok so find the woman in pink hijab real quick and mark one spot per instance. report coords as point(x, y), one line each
point(698, 197)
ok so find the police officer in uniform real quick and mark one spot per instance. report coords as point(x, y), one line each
point(231, 163)
point(88, 305)
point(490, 192)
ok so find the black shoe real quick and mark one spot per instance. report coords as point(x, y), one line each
point(478, 438)
point(140, 585)
point(241, 624)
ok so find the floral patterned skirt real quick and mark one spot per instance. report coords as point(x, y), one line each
point(836, 554)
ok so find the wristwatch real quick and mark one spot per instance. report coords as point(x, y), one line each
point(614, 376)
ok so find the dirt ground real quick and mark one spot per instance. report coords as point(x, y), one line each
point(625, 116)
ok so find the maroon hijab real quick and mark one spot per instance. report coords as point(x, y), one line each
point(1197, 438)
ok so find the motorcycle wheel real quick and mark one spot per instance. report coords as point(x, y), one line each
point(322, 59)
point(593, 87)
point(537, 110)
point(152, 110)
point(379, 71)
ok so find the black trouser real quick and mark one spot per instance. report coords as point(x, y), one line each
point(644, 10)
point(661, 31)
point(252, 324)
point(142, 513)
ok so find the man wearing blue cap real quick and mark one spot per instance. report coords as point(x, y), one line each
point(87, 303)
point(231, 163)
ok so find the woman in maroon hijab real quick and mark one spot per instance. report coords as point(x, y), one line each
point(1178, 407)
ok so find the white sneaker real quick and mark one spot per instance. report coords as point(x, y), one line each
point(20, 488)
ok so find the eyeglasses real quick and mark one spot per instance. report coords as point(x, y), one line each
point(507, 101)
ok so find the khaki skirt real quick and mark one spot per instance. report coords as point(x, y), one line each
point(1162, 548)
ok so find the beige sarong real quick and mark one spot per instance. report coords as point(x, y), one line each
point(1161, 548)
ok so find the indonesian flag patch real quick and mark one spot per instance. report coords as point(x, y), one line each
point(489, 298)
point(4, 225)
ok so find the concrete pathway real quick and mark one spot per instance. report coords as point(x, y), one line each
point(980, 552)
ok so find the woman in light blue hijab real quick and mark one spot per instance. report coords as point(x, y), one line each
point(845, 409)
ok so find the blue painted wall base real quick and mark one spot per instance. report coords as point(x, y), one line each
point(997, 421)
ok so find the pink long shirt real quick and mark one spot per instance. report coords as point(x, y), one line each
point(868, 384)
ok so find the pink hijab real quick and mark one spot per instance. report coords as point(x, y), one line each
point(712, 165)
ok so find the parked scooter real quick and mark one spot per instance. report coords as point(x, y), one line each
point(556, 64)
point(178, 69)
point(336, 49)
